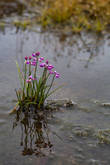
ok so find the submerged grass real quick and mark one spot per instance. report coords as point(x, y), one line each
point(77, 14)
point(101, 136)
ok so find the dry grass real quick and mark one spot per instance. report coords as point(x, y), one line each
point(77, 14)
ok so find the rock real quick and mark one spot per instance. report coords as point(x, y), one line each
point(79, 149)
point(61, 103)
point(93, 162)
point(83, 131)
point(105, 104)
point(79, 156)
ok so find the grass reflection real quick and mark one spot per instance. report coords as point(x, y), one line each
point(34, 133)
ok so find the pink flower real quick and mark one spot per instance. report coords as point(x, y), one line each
point(28, 81)
point(37, 53)
point(50, 67)
point(30, 77)
point(33, 54)
point(42, 65)
point(30, 57)
point(46, 62)
point(51, 72)
point(33, 63)
point(57, 75)
point(26, 57)
point(27, 62)
point(34, 59)
point(41, 59)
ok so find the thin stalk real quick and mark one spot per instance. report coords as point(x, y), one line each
point(35, 74)
point(40, 90)
point(37, 90)
point(43, 85)
point(25, 71)
point(44, 77)
point(29, 68)
point(35, 68)
point(28, 88)
point(49, 87)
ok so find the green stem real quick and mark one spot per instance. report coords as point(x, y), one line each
point(44, 78)
point(36, 68)
point(49, 87)
point(28, 87)
point(25, 71)
point(29, 68)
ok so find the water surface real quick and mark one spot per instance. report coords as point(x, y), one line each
point(83, 62)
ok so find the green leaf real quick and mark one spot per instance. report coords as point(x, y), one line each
point(53, 91)
point(20, 74)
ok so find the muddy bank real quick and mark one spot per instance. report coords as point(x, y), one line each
point(9, 7)
point(60, 15)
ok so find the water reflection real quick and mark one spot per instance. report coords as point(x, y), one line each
point(83, 47)
point(34, 133)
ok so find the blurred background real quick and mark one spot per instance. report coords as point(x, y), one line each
point(74, 36)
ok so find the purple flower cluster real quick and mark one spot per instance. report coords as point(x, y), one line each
point(49, 67)
point(36, 54)
point(33, 61)
point(33, 58)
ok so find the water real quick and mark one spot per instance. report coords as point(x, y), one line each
point(83, 62)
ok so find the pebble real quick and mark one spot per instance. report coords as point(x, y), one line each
point(93, 162)
point(105, 104)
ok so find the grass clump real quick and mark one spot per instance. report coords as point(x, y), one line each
point(35, 89)
point(22, 24)
point(60, 11)
point(77, 14)
point(103, 136)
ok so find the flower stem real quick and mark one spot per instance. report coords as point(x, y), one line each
point(49, 87)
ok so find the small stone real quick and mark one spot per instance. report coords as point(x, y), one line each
point(92, 145)
point(61, 102)
point(94, 162)
point(79, 156)
point(106, 104)
point(79, 149)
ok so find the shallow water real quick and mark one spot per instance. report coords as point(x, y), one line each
point(83, 62)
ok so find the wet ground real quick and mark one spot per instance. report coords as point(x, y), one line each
point(8, 7)
point(76, 135)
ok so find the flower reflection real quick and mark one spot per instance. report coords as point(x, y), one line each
point(34, 133)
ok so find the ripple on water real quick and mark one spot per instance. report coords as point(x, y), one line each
point(90, 81)
point(2, 121)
